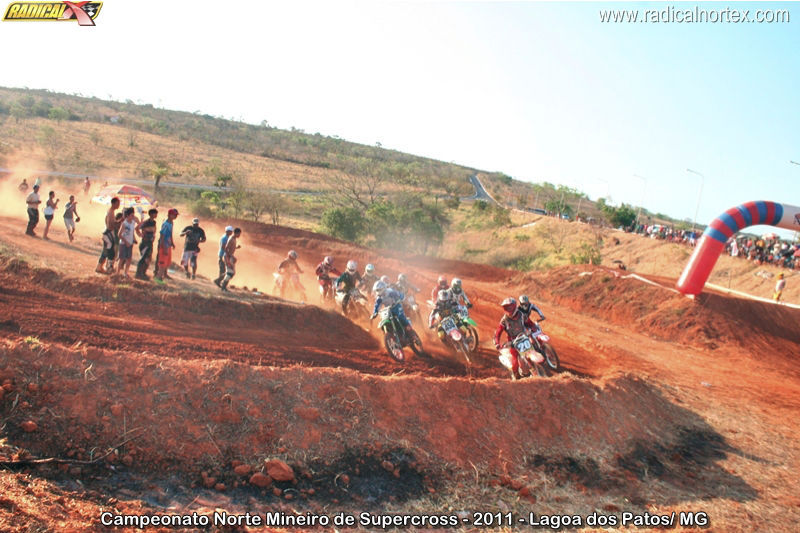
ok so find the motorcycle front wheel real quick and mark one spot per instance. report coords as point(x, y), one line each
point(472, 339)
point(393, 347)
point(541, 370)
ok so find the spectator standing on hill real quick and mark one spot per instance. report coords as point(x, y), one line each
point(230, 260)
point(165, 245)
point(779, 288)
point(71, 217)
point(222, 242)
point(86, 186)
point(49, 212)
point(191, 247)
point(23, 187)
point(127, 236)
point(109, 240)
point(33, 202)
point(146, 229)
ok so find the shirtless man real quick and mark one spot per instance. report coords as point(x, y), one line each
point(230, 261)
point(109, 240)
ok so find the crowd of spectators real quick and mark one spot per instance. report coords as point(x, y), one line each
point(767, 249)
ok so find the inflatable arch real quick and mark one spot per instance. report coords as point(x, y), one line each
point(712, 243)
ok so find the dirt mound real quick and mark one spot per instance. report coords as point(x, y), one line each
point(372, 439)
point(710, 321)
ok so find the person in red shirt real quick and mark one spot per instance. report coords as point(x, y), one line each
point(441, 285)
point(324, 271)
point(512, 323)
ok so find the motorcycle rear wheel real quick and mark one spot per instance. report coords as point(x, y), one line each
point(416, 344)
point(551, 358)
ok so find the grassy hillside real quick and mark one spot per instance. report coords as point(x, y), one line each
point(126, 137)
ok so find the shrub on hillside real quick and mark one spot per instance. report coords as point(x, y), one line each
point(344, 223)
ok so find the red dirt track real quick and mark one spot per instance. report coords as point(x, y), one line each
point(648, 413)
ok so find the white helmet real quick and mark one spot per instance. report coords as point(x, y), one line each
point(292, 254)
point(456, 285)
point(328, 260)
point(443, 296)
point(379, 287)
point(401, 278)
point(385, 279)
point(352, 266)
point(369, 269)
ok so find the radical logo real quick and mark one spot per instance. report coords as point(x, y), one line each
point(84, 12)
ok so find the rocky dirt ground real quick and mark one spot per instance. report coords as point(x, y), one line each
point(131, 398)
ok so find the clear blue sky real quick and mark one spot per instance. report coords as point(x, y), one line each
point(540, 91)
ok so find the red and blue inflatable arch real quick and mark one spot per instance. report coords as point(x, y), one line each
point(735, 219)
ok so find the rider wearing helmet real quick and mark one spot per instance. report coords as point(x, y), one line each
point(441, 285)
point(323, 271)
point(368, 279)
point(288, 270)
point(404, 286)
point(513, 323)
point(458, 293)
point(289, 265)
point(392, 299)
point(527, 307)
point(348, 281)
point(445, 304)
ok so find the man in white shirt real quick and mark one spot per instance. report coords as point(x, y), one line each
point(33, 202)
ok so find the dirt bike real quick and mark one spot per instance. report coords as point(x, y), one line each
point(470, 326)
point(453, 336)
point(396, 337)
point(543, 346)
point(282, 285)
point(325, 291)
point(357, 307)
point(411, 308)
point(530, 360)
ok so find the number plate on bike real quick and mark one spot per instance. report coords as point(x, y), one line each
point(522, 345)
point(448, 324)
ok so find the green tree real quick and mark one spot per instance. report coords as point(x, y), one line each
point(346, 223)
point(58, 114)
point(622, 216)
point(159, 169)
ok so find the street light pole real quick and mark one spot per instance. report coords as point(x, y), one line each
point(644, 188)
point(699, 194)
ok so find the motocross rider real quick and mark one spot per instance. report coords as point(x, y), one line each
point(445, 305)
point(288, 267)
point(458, 293)
point(392, 299)
point(513, 323)
point(368, 279)
point(527, 307)
point(348, 281)
point(441, 285)
point(404, 286)
point(323, 271)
